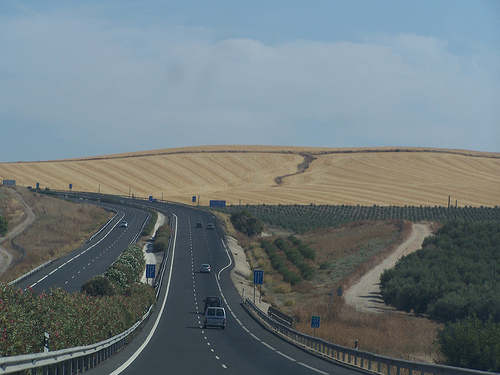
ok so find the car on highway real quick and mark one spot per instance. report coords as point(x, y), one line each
point(199, 225)
point(212, 301)
point(205, 268)
point(210, 226)
point(124, 224)
point(215, 317)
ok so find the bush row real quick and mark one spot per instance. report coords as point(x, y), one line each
point(150, 225)
point(294, 255)
point(452, 277)
point(70, 319)
point(124, 272)
point(162, 239)
point(303, 218)
point(278, 264)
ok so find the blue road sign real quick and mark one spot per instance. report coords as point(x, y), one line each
point(150, 271)
point(258, 276)
point(193, 199)
point(214, 203)
point(315, 321)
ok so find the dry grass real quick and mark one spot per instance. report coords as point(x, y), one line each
point(351, 250)
point(59, 228)
point(249, 174)
point(10, 208)
point(390, 334)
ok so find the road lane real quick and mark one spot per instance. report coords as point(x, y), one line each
point(180, 345)
point(74, 269)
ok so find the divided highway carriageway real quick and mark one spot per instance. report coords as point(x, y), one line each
point(173, 340)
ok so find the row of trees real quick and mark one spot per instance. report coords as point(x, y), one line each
point(296, 253)
point(454, 279)
point(303, 218)
point(296, 257)
point(162, 238)
point(278, 263)
point(124, 272)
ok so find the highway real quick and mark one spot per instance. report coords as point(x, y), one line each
point(173, 340)
point(74, 269)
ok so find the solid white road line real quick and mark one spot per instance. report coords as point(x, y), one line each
point(155, 326)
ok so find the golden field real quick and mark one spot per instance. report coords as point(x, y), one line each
point(279, 175)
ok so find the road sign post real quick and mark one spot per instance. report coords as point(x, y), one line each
point(46, 337)
point(258, 279)
point(315, 322)
point(150, 271)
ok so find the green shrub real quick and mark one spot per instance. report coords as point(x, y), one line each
point(160, 244)
point(99, 286)
point(162, 239)
point(70, 319)
point(471, 343)
point(244, 222)
point(117, 276)
point(148, 228)
point(4, 226)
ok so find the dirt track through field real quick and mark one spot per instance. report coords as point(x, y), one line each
point(365, 294)
point(5, 256)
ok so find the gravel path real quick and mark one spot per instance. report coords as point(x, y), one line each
point(5, 256)
point(365, 294)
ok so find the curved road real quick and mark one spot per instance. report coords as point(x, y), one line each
point(71, 271)
point(174, 342)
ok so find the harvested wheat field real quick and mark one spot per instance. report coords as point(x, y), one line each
point(279, 175)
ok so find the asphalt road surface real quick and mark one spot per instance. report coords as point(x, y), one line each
point(71, 271)
point(174, 342)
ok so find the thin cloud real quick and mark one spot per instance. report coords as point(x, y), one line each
point(123, 89)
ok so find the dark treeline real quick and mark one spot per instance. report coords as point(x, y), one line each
point(303, 218)
point(454, 279)
point(453, 276)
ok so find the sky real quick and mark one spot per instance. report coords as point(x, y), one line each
point(91, 78)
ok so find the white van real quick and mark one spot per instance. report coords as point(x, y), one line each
point(215, 317)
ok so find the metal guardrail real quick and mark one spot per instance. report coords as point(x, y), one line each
point(353, 357)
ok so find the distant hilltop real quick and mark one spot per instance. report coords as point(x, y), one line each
point(279, 175)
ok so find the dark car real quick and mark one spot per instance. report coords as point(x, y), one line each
point(212, 301)
point(210, 226)
point(205, 268)
point(199, 225)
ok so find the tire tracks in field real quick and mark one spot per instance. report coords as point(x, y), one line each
point(301, 168)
